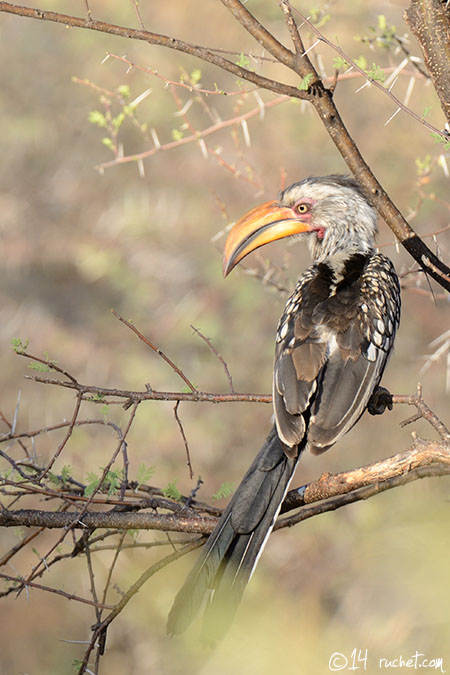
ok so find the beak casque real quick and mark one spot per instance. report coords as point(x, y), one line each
point(263, 224)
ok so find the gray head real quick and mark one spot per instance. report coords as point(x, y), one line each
point(330, 212)
point(340, 216)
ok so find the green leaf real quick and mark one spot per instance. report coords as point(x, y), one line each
point(18, 346)
point(382, 23)
point(318, 17)
point(375, 73)
point(423, 166)
point(114, 480)
point(93, 483)
point(439, 139)
point(117, 121)
point(177, 134)
point(144, 473)
point(427, 111)
point(108, 142)
point(53, 478)
point(304, 84)
point(339, 63)
point(243, 61)
point(225, 490)
point(172, 492)
point(124, 90)
point(66, 472)
point(361, 62)
point(97, 397)
point(40, 367)
point(97, 118)
point(196, 76)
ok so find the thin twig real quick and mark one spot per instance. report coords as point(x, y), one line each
point(63, 443)
point(135, 4)
point(99, 632)
point(151, 395)
point(424, 411)
point(78, 516)
point(156, 349)
point(57, 591)
point(183, 435)
point(216, 353)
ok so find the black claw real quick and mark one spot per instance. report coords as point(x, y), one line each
point(379, 401)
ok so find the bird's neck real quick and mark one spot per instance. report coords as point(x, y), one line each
point(347, 266)
point(335, 250)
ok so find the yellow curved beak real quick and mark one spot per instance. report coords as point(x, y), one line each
point(263, 224)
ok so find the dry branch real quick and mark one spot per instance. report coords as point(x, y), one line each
point(424, 458)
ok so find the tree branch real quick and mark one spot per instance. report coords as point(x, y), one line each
point(317, 94)
point(331, 119)
point(200, 52)
point(429, 20)
point(329, 492)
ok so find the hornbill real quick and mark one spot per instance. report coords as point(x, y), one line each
point(332, 345)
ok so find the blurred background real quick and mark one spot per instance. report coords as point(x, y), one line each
point(145, 238)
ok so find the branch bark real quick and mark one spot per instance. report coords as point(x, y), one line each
point(429, 20)
point(329, 492)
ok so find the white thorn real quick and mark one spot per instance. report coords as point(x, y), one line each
point(366, 84)
point(203, 148)
point(411, 84)
point(105, 59)
point(244, 126)
point(393, 84)
point(155, 138)
point(396, 72)
point(443, 164)
point(261, 105)
point(184, 109)
point(141, 168)
point(141, 97)
point(392, 117)
point(16, 412)
point(310, 48)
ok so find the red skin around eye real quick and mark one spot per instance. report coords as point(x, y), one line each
point(320, 231)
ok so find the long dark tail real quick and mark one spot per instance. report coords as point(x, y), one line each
point(231, 553)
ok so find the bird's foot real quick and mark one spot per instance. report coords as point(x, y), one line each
point(379, 401)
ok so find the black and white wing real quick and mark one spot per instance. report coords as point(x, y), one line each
point(333, 343)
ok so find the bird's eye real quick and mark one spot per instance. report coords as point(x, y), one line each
point(302, 207)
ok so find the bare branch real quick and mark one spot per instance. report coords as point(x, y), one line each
point(155, 349)
point(99, 632)
point(64, 594)
point(423, 458)
point(183, 435)
point(216, 353)
point(261, 34)
point(202, 53)
point(151, 395)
